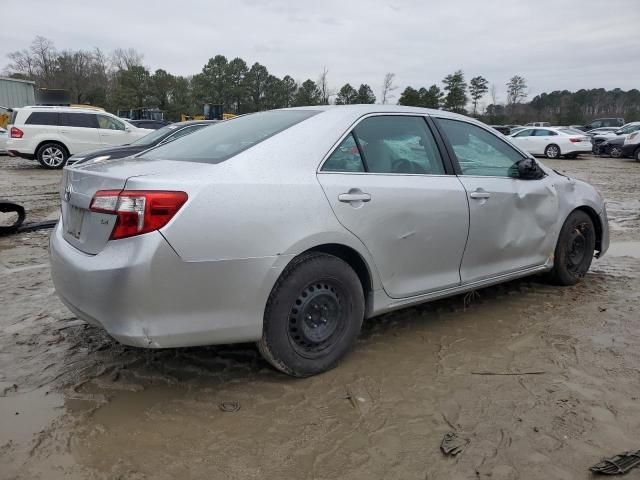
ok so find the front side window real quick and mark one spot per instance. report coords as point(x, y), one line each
point(109, 123)
point(525, 133)
point(42, 118)
point(345, 158)
point(398, 144)
point(478, 151)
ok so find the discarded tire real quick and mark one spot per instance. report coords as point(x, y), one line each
point(10, 207)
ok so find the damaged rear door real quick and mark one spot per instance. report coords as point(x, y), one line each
point(512, 221)
point(386, 183)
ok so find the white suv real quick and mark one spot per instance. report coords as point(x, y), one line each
point(52, 134)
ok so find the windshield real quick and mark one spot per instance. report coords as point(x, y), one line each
point(223, 140)
point(155, 136)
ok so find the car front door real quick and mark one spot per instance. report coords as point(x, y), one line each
point(112, 132)
point(524, 139)
point(79, 131)
point(511, 219)
point(387, 183)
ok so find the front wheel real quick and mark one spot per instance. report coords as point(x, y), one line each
point(313, 315)
point(52, 155)
point(615, 152)
point(552, 151)
point(574, 250)
point(637, 155)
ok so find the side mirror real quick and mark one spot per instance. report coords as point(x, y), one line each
point(528, 169)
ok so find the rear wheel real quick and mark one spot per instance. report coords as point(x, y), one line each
point(637, 155)
point(52, 155)
point(574, 250)
point(313, 315)
point(552, 151)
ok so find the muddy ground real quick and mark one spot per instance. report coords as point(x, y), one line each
point(75, 404)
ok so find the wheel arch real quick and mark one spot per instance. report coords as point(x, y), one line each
point(597, 223)
point(44, 142)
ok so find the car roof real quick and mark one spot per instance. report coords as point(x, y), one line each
point(47, 108)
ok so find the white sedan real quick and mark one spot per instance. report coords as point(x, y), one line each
point(553, 142)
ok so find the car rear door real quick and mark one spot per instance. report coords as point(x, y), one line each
point(388, 183)
point(540, 139)
point(512, 220)
point(79, 131)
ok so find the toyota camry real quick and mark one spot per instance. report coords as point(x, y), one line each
point(290, 227)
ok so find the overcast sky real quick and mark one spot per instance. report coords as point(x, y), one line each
point(554, 44)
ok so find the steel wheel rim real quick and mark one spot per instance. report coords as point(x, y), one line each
point(317, 318)
point(615, 152)
point(577, 250)
point(52, 157)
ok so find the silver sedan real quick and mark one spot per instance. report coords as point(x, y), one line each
point(290, 227)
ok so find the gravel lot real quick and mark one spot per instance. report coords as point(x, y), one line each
point(75, 404)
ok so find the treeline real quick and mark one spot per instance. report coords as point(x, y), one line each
point(119, 80)
point(558, 107)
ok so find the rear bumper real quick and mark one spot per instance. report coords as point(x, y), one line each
point(16, 153)
point(143, 294)
point(578, 150)
point(604, 241)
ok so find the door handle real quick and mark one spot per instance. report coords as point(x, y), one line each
point(354, 197)
point(480, 194)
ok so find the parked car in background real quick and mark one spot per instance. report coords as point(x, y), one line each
point(552, 142)
point(622, 132)
point(503, 129)
point(538, 124)
point(517, 129)
point(52, 134)
point(289, 227)
point(631, 146)
point(4, 135)
point(150, 124)
point(611, 146)
point(602, 122)
point(601, 131)
point(157, 137)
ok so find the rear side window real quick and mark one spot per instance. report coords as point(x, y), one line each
point(524, 133)
point(83, 120)
point(544, 133)
point(398, 144)
point(223, 140)
point(43, 118)
point(345, 158)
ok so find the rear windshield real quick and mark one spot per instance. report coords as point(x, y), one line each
point(157, 135)
point(223, 140)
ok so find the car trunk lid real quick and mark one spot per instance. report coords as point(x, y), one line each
point(89, 231)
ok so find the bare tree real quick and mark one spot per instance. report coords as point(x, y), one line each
point(124, 59)
point(494, 94)
point(44, 54)
point(22, 63)
point(516, 90)
point(323, 86)
point(388, 87)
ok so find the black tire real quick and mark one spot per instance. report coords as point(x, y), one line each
point(615, 152)
point(52, 155)
point(552, 151)
point(636, 155)
point(313, 315)
point(574, 250)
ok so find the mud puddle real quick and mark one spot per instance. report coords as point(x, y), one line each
point(543, 381)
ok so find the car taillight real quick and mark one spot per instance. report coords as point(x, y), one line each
point(16, 132)
point(578, 140)
point(138, 211)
